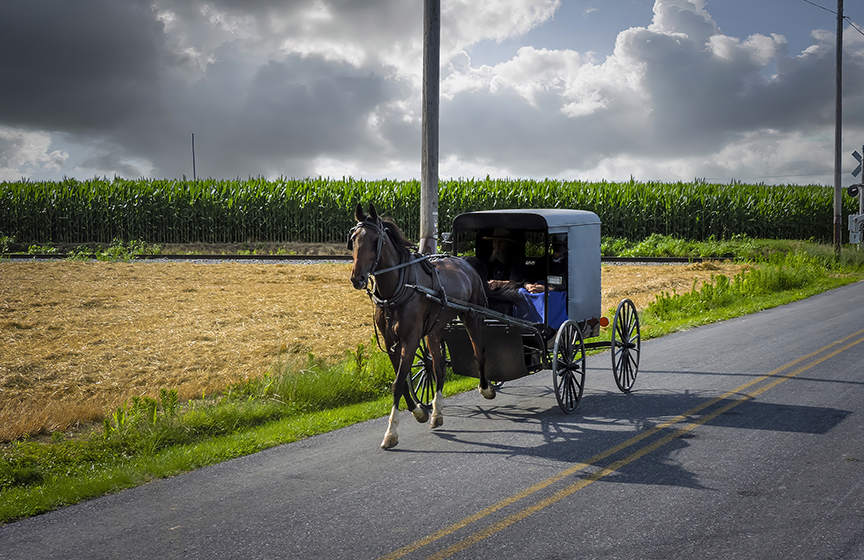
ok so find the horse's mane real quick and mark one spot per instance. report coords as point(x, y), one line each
point(396, 236)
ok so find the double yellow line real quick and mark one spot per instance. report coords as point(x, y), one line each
point(735, 397)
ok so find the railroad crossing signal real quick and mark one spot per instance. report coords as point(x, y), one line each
point(857, 157)
point(856, 228)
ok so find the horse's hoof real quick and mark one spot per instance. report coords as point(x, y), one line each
point(420, 414)
point(488, 392)
point(437, 422)
point(390, 441)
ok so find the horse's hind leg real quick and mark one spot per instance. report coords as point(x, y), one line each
point(474, 326)
point(438, 366)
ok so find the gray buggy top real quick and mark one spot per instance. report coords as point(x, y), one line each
point(533, 230)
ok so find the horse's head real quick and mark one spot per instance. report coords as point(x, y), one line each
point(364, 242)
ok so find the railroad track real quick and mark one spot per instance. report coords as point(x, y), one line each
point(311, 259)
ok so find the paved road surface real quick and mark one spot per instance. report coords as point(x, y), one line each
point(743, 439)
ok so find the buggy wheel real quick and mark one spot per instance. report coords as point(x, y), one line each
point(568, 366)
point(626, 344)
point(422, 381)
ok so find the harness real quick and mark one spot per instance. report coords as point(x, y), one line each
point(405, 290)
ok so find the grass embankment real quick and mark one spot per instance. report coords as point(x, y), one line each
point(151, 438)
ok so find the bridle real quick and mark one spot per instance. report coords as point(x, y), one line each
point(379, 229)
point(382, 232)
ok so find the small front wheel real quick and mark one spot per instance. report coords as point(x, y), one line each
point(568, 366)
point(626, 345)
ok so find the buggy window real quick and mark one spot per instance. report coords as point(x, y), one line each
point(534, 246)
point(466, 243)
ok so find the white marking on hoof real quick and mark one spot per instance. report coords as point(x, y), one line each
point(390, 441)
point(488, 393)
point(437, 411)
point(420, 414)
point(391, 438)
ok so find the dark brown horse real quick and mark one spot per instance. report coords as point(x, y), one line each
point(404, 316)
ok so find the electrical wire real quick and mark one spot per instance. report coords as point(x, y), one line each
point(822, 7)
point(851, 23)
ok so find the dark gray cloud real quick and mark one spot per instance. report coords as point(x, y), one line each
point(111, 75)
point(80, 66)
point(290, 112)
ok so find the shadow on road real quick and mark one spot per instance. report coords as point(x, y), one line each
point(521, 430)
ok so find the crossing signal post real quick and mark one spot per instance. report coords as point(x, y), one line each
point(856, 221)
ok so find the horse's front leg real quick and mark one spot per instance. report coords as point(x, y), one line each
point(391, 437)
point(405, 359)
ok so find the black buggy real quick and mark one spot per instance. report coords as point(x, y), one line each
point(524, 332)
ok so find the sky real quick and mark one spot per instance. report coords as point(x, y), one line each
point(663, 90)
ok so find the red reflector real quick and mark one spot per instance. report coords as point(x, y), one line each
point(604, 321)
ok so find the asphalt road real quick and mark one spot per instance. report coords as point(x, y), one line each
point(743, 439)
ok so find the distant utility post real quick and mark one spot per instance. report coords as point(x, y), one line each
point(838, 136)
point(429, 150)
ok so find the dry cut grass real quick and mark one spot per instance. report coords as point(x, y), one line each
point(78, 338)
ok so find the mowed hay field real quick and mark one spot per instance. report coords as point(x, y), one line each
point(79, 338)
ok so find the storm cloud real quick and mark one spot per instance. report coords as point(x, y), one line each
point(332, 87)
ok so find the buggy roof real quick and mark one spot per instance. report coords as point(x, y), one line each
point(543, 218)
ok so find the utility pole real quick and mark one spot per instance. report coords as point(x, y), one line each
point(838, 136)
point(429, 150)
point(194, 176)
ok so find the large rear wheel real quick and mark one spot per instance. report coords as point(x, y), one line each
point(568, 366)
point(626, 345)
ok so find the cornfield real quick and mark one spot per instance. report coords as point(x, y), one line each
point(321, 210)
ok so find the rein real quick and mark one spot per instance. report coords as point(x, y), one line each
point(398, 266)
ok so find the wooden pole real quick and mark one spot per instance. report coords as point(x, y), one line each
point(838, 136)
point(194, 176)
point(429, 150)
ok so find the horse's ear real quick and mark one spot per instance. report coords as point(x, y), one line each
point(359, 215)
point(372, 213)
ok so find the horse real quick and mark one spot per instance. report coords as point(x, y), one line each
point(404, 316)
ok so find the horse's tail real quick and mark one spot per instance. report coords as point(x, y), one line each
point(482, 271)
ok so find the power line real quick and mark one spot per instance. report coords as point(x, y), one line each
point(851, 23)
point(822, 7)
point(855, 26)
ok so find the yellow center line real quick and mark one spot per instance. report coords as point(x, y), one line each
point(600, 473)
